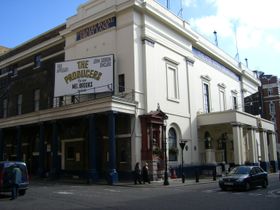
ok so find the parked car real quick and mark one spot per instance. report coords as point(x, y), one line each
point(244, 177)
point(6, 169)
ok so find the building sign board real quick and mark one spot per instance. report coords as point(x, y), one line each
point(96, 28)
point(84, 76)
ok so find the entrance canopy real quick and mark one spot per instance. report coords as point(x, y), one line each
point(236, 138)
point(234, 116)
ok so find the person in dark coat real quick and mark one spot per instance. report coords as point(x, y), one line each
point(15, 181)
point(145, 173)
point(137, 174)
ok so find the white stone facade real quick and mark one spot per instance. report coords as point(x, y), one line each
point(167, 63)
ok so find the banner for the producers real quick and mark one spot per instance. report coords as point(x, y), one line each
point(84, 76)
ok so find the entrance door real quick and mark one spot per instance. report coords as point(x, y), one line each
point(73, 155)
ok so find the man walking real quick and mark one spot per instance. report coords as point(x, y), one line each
point(16, 180)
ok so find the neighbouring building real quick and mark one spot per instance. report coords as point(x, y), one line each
point(266, 103)
point(3, 49)
point(121, 82)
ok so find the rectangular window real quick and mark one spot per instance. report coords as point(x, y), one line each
point(37, 61)
point(5, 108)
point(222, 100)
point(19, 104)
point(269, 91)
point(172, 83)
point(14, 70)
point(234, 102)
point(206, 99)
point(271, 108)
point(121, 83)
point(37, 100)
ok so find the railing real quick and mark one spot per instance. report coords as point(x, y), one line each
point(125, 95)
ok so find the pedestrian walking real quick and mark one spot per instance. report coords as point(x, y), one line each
point(16, 177)
point(145, 173)
point(137, 174)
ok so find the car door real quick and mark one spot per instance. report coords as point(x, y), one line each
point(259, 176)
point(253, 177)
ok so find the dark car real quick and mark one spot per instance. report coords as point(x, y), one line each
point(6, 170)
point(244, 177)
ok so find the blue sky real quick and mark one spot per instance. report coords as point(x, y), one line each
point(256, 24)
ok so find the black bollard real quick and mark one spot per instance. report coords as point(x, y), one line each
point(196, 175)
point(183, 178)
point(214, 174)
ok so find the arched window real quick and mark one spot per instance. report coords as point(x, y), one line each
point(172, 143)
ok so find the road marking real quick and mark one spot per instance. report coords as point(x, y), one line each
point(110, 190)
point(64, 193)
point(255, 194)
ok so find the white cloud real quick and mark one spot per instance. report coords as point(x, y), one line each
point(253, 20)
point(189, 3)
point(209, 24)
point(274, 42)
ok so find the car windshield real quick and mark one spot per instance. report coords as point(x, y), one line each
point(240, 170)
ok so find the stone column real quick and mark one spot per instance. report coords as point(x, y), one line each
point(264, 150)
point(236, 131)
point(252, 146)
point(272, 151)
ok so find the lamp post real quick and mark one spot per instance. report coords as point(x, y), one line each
point(166, 182)
point(182, 145)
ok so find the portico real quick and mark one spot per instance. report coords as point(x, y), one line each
point(236, 138)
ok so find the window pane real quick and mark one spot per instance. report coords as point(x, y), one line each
point(5, 108)
point(172, 83)
point(206, 98)
point(19, 104)
point(172, 143)
point(222, 100)
point(36, 100)
point(121, 83)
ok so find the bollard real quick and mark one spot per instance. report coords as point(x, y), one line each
point(196, 175)
point(214, 174)
point(183, 178)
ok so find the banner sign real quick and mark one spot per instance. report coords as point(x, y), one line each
point(96, 28)
point(84, 76)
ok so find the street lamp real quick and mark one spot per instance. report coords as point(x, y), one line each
point(182, 145)
point(166, 182)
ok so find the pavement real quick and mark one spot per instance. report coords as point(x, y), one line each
point(125, 183)
point(130, 183)
point(171, 183)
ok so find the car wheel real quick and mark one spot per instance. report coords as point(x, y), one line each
point(247, 186)
point(21, 192)
point(224, 188)
point(264, 184)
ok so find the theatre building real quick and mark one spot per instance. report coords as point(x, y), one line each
point(122, 82)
